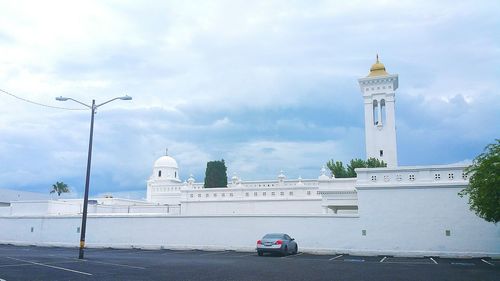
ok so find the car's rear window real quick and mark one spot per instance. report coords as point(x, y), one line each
point(274, 235)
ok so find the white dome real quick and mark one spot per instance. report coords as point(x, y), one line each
point(166, 161)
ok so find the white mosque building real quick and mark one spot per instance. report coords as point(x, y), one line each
point(397, 210)
point(323, 195)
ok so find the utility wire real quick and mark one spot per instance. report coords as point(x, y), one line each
point(40, 104)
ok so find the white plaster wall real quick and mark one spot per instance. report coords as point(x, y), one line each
point(338, 184)
point(382, 136)
point(415, 220)
point(108, 209)
point(4, 210)
point(264, 206)
point(327, 234)
point(59, 208)
point(29, 207)
point(203, 232)
point(46, 230)
point(401, 217)
point(172, 198)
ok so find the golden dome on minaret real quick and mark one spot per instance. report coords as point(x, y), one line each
point(377, 69)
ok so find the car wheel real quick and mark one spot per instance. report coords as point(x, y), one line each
point(296, 249)
point(260, 253)
point(285, 251)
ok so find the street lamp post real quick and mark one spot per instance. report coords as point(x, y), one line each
point(92, 107)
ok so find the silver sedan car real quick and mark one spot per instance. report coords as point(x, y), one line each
point(277, 243)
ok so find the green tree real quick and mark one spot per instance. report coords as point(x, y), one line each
point(375, 163)
point(355, 163)
point(484, 183)
point(216, 174)
point(59, 187)
point(337, 167)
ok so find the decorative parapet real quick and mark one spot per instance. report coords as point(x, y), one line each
point(439, 176)
point(338, 184)
point(299, 189)
point(335, 199)
point(277, 192)
point(375, 84)
point(339, 193)
point(299, 183)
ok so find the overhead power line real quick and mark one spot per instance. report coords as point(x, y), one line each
point(37, 103)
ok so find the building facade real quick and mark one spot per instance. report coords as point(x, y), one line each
point(323, 195)
point(379, 96)
point(410, 211)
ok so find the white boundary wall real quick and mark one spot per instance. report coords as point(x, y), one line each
point(417, 220)
point(398, 218)
point(315, 234)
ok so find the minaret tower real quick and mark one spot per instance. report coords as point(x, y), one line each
point(378, 90)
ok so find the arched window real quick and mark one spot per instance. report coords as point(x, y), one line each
point(159, 174)
point(175, 174)
point(375, 112)
point(382, 111)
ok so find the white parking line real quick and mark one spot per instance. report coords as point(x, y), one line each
point(405, 262)
point(487, 262)
point(52, 266)
point(433, 260)
point(334, 258)
point(2, 279)
point(354, 260)
point(383, 259)
point(31, 264)
point(14, 265)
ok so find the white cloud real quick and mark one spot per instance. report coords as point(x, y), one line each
point(222, 123)
point(267, 85)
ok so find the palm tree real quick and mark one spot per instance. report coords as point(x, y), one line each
point(59, 187)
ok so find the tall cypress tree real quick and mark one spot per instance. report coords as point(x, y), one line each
point(216, 174)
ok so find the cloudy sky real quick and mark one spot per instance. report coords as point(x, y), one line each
point(266, 85)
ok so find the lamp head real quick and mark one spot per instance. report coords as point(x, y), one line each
point(126, 97)
point(61, 98)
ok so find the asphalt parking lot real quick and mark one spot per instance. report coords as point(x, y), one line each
point(43, 263)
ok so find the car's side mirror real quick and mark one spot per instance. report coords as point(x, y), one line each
point(292, 239)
